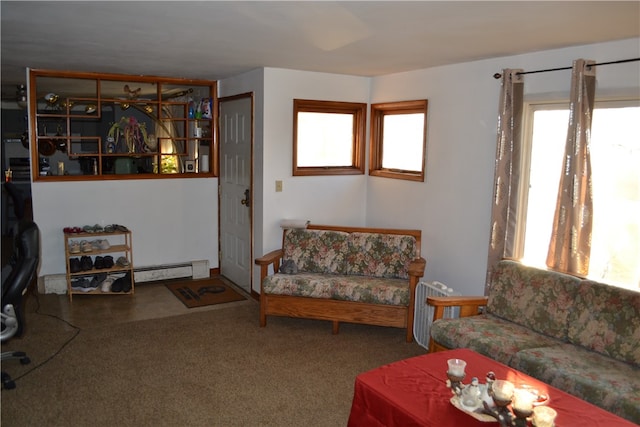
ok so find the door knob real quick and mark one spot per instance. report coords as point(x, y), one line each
point(246, 201)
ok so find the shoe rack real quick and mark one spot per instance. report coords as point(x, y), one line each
point(119, 248)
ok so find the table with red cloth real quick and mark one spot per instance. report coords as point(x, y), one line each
point(413, 392)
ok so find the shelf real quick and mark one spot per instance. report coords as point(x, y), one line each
point(120, 245)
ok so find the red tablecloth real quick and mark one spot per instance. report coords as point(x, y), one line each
point(413, 392)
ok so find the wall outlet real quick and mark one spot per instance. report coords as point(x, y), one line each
point(278, 186)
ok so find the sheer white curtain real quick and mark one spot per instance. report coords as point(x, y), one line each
point(507, 170)
point(570, 246)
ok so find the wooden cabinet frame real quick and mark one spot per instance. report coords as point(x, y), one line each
point(92, 126)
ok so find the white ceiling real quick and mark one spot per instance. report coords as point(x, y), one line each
point(216, 39)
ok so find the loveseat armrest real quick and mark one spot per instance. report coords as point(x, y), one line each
point(416, 267)
point(469, 305)
point(266, 260)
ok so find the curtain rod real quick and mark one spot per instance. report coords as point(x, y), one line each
point(498, 75)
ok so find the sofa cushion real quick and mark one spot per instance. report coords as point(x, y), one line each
point(316, 251)
point(488, 335)
point(605, 319)
point(380, 255)
point(532, 297)
point(605, 382)
point(339, 287)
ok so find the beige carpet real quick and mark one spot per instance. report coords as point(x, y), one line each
point(205, 368)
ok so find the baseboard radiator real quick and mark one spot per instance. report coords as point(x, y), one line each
point(57, 283)
point(193, 270)
point(423, 314)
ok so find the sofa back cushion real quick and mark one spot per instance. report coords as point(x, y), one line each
point(380, 255)
point(606, 319)
point(532, 297)
point(316, 251)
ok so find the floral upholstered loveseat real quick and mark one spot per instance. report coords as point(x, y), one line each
point(580, 336)
point(343, 274)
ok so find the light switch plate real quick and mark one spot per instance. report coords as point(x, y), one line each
point(278, 186)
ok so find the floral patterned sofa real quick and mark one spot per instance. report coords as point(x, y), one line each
point(580, 336)
point(344, 274)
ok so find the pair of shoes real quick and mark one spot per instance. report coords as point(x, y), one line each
point(74, 247)
point(107, 261)
point(120, 228)
point(83, 284)
point(122, 284)
point(86, 263)
point(100, 244)
point(123, 262)
point(74, 265)
point(70, 230)
point(109, 228)
point(86, 246)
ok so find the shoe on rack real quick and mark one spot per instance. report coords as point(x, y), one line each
point(85, 246)
point(121, 228)
point(74, 265)
point(97, 280)
point(98, 263)
point(108, 261)
point(109, 228)
point(106, 285)
point(103, 244)
point(98, 228)
point(116, 286)
point(83, 284)
point(123, 262)
point(126, 282)
point(88, 229)
point(74, 247)
point(86, 263)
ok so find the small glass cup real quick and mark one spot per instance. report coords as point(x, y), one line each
point(502, 391)
point(456, 367)
point(543, 416)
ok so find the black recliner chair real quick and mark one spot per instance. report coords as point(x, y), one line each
point(17, 276)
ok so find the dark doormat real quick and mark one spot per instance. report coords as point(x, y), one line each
point(198, 293)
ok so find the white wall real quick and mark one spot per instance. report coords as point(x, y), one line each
point(452, 206)
point(172, 220)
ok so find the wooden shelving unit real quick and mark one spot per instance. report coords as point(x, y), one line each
point(120, 244)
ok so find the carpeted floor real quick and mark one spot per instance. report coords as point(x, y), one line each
point(204, 368)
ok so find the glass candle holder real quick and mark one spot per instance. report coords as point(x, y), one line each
point(522, 402)
point(456, 367)
point(543, 416)
point(503, 390)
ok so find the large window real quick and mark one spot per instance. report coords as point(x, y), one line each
point(328, 137)
point(615, 161)
point(398, 139)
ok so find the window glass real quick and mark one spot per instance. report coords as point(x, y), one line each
point(328, 137)
point(615, 160)
point(325, 139)
point(398, 140)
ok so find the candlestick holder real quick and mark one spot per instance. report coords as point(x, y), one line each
point(497, 399)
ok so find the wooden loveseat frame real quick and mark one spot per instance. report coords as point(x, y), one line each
point(340, 310)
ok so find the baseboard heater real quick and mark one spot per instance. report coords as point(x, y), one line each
point(57, 283)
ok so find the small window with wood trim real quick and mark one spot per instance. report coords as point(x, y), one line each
point(398, 140)
point(328, 137)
